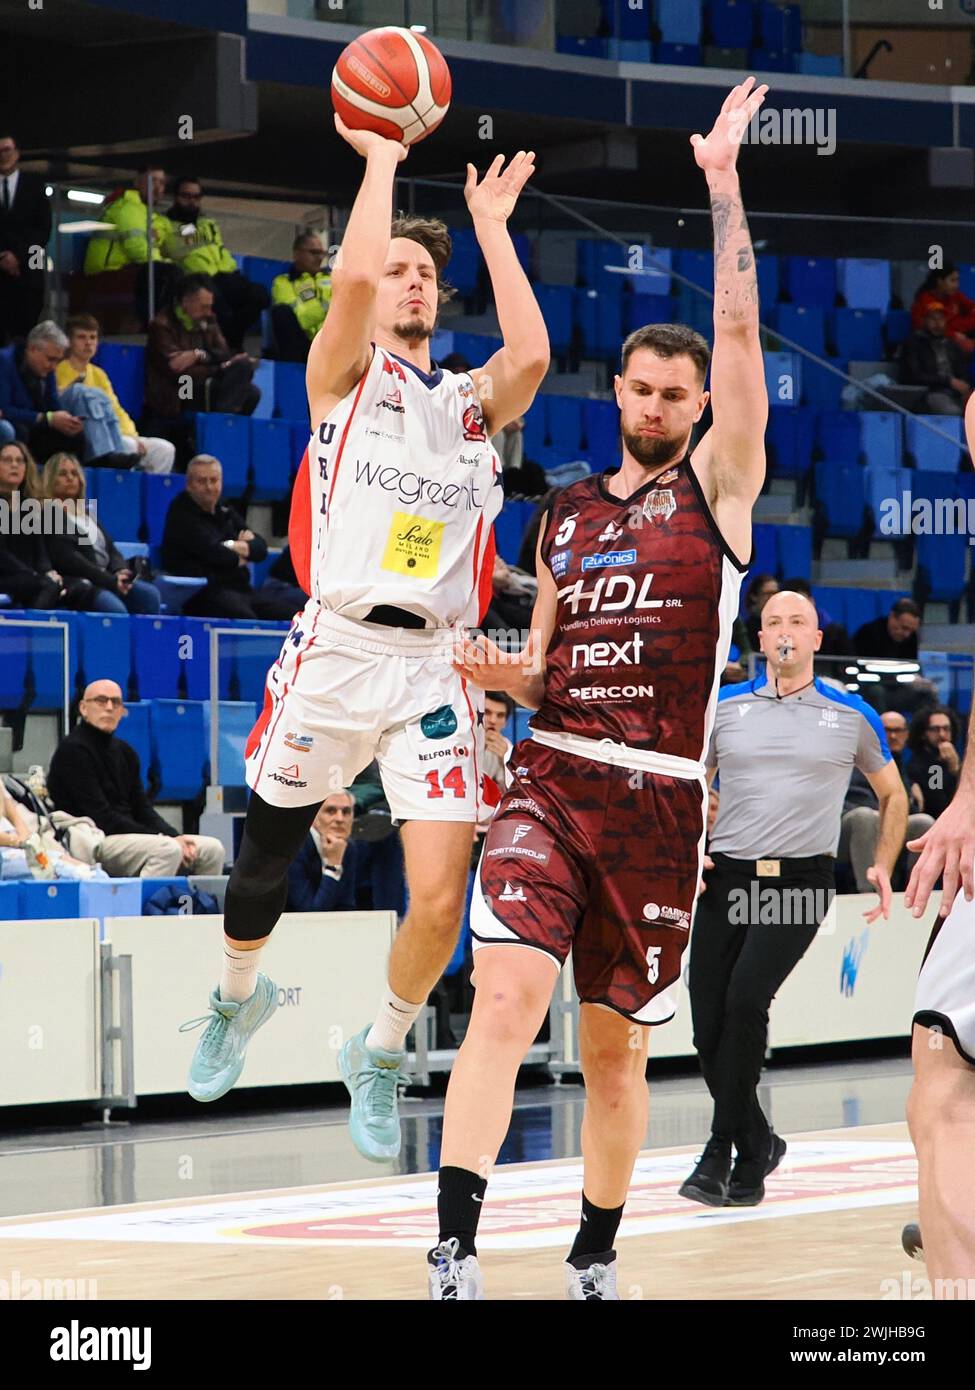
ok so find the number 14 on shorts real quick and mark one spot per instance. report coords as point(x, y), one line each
point(452, 781)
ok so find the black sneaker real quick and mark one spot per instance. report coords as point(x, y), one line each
point(747, 1185)
point(709, 1181)
point(911, 1241)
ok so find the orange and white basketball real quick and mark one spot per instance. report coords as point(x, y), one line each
point(393, 81)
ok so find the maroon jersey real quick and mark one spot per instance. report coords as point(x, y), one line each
point(647, 593)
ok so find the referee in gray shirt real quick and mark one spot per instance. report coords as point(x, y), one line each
point(784, 746)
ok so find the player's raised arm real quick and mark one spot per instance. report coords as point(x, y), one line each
point(738, 394)
point(340, 352)
point(507, 382)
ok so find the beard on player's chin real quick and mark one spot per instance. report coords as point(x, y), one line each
point(652, 452)
point(414, 331)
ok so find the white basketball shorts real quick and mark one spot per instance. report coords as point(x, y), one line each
point(945, 996)
point(343, 693)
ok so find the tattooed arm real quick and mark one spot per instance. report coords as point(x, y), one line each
point(734, 467)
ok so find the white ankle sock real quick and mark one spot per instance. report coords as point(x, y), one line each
point(238, 979)
point(393, 1022)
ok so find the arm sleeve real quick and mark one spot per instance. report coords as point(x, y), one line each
point(282, 291)
point(330, 895)
point(67, 558)
point(872, 752)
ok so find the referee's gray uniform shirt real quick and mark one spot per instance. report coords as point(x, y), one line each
point(785, 766)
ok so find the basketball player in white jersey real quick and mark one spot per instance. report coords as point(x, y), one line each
point(941, 1106)
point(597, 845)
point(391, 535)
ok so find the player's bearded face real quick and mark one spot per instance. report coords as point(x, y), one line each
point(652, 450)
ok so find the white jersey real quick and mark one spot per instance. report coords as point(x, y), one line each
point(396, 497)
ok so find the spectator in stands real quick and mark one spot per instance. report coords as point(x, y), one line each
point(126, 243)
point(195, 242)
point(77, 368)
point(86, 550)
point(334, 873)
point(206, 538)
point(25, 227)
point(300, 299)
point(932, 770)
point(930, 358)
point(759, 591)
point(895, 636)
point(96, 774)
point(24, 853)
point(281, 590)
point(861, 812)
point(189, 366)
point(498, 709)
point(29, 398)
point(512, 598)
point(942, 286)
point(27, 572)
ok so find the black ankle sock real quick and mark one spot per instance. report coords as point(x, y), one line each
point(460, 1194)
point(597, 1230)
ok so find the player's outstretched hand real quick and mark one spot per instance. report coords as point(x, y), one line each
point(483, 663)
point(495, 196)
point(948, 848)
point(364, 142)
point(880, 879)
point(719, 150)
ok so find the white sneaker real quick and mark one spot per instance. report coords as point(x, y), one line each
point(451, 1278)
point(594, 1281)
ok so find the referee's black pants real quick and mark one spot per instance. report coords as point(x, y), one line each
point(749, 933)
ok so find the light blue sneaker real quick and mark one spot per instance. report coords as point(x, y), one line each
point(372, 1078)
point(219, 1057)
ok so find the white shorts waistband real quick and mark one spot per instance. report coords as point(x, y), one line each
point(374, 637)
point(605, 750)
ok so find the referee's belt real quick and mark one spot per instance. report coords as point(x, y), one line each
point(772, 868)
point(389, 616)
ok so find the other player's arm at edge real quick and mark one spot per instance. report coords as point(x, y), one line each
point(507, 382)
point(948, 848)
point(890, 793)
point(341, 351)
point(519, 674)
point(731, 458)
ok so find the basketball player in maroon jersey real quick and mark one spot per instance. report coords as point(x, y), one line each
point(597, 845)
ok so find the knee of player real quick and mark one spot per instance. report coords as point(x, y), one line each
point(508, 1013)
point(438, 913)
point(610, 1072)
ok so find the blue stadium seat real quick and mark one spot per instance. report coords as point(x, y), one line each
point(803, 324)
point(564, 415)
point(581, 48)
point(263, 379)
point(509, 528)
point(769, 270)
point(178, 748)
point(476, 347)
point(105, 641)
point(941, 562)
point(627, 23)
point(125, 366)
point(587, 319)
point(641, 309)
point(696, 266)
point(271, 460)
point(864, 284)
point(772, 60)
point(45, 665)
point(830, 599)
point(609, 320)
point(14, 649)
point(134, 729)
point(259, 568)
point(263, 270)
point(465, 260)
point(789, 440)
point(765, 550)
point(234, 723)
point(857, 334)
point(10, 891)
point(601, 429)
point(821, 388)
point(882, 437)
point(684, 55)
point(159, 489)
point(780, 26)
point(838, 435)
point(290, 396)
point(555, 302)
point(55, 898)
point(156, 656)
point(252, 659)
point(794, 551)
point(300, 434)
point(731, 22)
point(655, 277)
point(784, 373)
point(227, 438)
point(535, 426)
point(118, 494)
point(195, 642)
point(523, 250)
point(886, 486)
point(815, 65)
point(151, 886)
point(810, 281)
point(694, 309)
point(861, 607)
point(630, 50)
point(679, 21)
point(930, 451)
point(897, 326)
point(840, 488)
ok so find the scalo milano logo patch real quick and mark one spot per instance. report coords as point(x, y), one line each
point(440, 723)
point(413, 546)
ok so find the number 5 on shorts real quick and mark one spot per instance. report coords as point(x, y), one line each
point(653, 963)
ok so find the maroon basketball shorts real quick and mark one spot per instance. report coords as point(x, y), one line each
point(599, 860)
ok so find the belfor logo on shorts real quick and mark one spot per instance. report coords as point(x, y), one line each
point(440, 723)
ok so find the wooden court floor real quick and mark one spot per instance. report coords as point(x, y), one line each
point(829, 1229)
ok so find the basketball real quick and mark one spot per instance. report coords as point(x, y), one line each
point(393, 81)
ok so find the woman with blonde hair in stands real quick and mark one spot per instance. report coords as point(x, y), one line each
point(85, 551)
point(27, 571)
